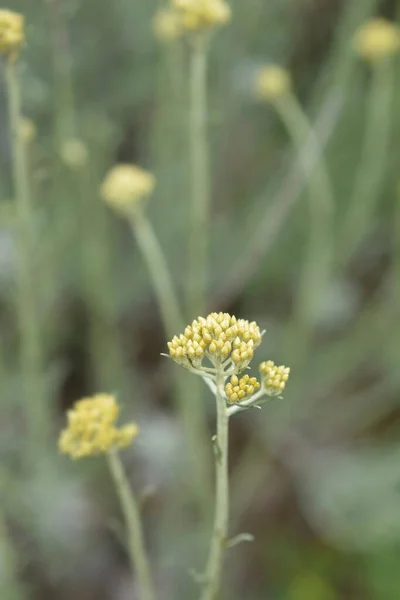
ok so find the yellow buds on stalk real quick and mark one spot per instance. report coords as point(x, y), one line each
point(272, 83)
point(240, 389)
point(125, 186)
point(218, 337)
point(12, 34)
point(274, 378)
point(376, 40)
point(91, 428)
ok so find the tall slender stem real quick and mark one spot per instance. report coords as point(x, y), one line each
point(10, 586)
point(220, 530)
point(373, 159)
point(137, 553)
point(28, 325)
point(199, 230)
point(317, 261)
point(188, 401)
point(157, 266)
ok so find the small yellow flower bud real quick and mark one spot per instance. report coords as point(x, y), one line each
point(376, 40)
point(12, 34)
point(74, 154)
point(125, 186)
point(272, 83)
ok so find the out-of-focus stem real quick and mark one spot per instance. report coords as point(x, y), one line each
point(136, 546)
point(197, 281)
point(371, 167)
point(9, 585)
point(317, 262)
point(37, 409)
point(220, 530)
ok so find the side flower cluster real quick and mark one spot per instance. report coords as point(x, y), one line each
point(92, 430)
point(274, 378)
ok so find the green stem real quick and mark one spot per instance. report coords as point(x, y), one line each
point(373, 160)
point(29, 332)
point(9, 585)
point(158, 269)
point(220, 530)
point(188, 401)
point(199, 230)
point(130, 509)
point(317, 263)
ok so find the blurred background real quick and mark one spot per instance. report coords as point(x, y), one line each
point(315, 477)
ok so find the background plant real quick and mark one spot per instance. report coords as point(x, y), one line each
point(304, 473)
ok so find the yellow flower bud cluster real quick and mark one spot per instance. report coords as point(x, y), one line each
point(274, 378)
point(237, 389)
point(27, 130)
point(217, 337)
point(74, 153)
point(91, 428)
point(125, 186)
point(376, 40)
point(272, 83)
point(12, 33)
point(200, 15)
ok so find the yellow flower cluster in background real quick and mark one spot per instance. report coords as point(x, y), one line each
point(91, 428)
point(274, 378)
point(190, 16)
point(272, 83)
point(12, 33)
point(240, 389)
point(376, 40)
point(218, 337)
point(125, 186)
point(27, 130)
point(74, 153)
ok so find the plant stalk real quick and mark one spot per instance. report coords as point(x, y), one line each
point(220, 530)
point(37, 409)
point(137, 553)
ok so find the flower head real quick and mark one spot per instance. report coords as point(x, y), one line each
point(376, 40)
point(272, 83)
point(200, 15)
point(12, 33)
point(240, 389)
point(27, 130)
point(167, 25)
point(273, 378)
point(218, 337)
point(91, 428)
point(125, 186)
point(74, 153)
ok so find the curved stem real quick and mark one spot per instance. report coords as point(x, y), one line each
point(220, 530)
point(317, 261)
point(199, 230)
point(130, 509)
point(29, 332)
point(373, 159)
point(158, 269)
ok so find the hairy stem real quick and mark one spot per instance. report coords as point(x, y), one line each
point(130, 509)
point(220, 530)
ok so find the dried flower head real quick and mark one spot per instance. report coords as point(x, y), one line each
point(237, 389)
point(125, 186)
point(376, 40)
point(167, 25)
point(273, 378)
point(74, 153)
point(272, 83)
point(200, 15)
point(12, 33)
point(91, 428)
point(27, 130)
point(218, 337)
